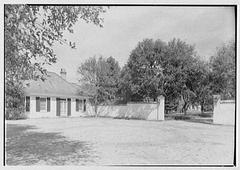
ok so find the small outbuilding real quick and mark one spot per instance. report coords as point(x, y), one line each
point(54, 97)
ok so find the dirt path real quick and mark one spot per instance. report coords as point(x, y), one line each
point(87, 141)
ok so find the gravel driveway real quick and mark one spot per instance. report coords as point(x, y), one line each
point(103, 141)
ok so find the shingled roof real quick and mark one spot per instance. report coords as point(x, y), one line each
point(53, 85)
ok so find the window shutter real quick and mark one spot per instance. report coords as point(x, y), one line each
point(27, 104)
point(37, 104)
point(69, 107)
point(77, 105)
point(84, 105)
point(48, 104)
point(58, 107)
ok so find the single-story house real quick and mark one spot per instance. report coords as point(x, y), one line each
point(54, 97)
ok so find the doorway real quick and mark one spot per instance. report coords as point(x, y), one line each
point(63, 107)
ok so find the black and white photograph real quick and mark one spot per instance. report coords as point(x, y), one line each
point(126, 85)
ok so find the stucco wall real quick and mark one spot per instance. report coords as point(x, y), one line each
point(146, 111)
point(224, 111)
point(33, 114)
point(75, 113)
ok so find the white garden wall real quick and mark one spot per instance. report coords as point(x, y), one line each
point(146, 111)
point(224, 111)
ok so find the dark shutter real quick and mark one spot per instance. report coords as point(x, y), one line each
point(58, 106)
point(37, 104)
point(69, 107)
point(27, 104)
point(84, 105)
point(77, 105)
point(48, 104)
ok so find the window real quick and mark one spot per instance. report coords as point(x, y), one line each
point(43, 104)
point(27, 104)
point(79, 104)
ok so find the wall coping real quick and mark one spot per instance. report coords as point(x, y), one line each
point(142, 103)
point(128, 104)
point(113, 105)
point(227, 101)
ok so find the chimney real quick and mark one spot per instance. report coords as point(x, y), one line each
point(63, 73)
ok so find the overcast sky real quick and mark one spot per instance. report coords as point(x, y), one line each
point(204, 27)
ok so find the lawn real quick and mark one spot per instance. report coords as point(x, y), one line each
point(105, 141)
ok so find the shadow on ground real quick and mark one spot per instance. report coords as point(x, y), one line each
point(206, 118)
point(25, 147)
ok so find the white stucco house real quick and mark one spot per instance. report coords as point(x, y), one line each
point(54, 97)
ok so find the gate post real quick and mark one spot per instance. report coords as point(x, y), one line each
point(216, 105)
point(160, 107)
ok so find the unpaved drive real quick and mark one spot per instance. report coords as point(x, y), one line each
point(103, 141)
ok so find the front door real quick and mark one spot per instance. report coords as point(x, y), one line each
point(63, 107)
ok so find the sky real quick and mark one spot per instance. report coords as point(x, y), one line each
point(205, 27)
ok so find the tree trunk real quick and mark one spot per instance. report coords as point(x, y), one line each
point(202, 105)
point(95, 108)
point(95, 105)
point(185, 108)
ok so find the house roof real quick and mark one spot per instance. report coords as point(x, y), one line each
point(53, 85)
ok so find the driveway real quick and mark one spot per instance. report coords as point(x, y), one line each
point(105, 141)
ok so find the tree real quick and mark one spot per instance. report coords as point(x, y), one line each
point(144, 70)
point(158, 68)
point(112, 78)
point(124, 90)
point(99, 79)
point(199, 80)
point(178, 63)
point(223, 71)
point(30, 32)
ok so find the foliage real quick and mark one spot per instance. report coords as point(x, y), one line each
point(124, 90)
point(174, 70)
point(30, 32)
point(100, 79)
point(14, 101)
point(200, 80)
point(143, 73)
point(177, 63)
point(224, 71)
point(158, 68)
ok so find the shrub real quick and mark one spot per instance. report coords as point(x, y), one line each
point(14, 99)
point(206, 115)
point(15, 113)
point(182, 117)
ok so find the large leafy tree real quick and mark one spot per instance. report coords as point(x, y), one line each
point(199, 81)
point(158, 68)
point(99, 78)
point(30, 32)
point(145, 72)
point(112, 78)
point(224, 71)
point(178, 63)
point(124, 89)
